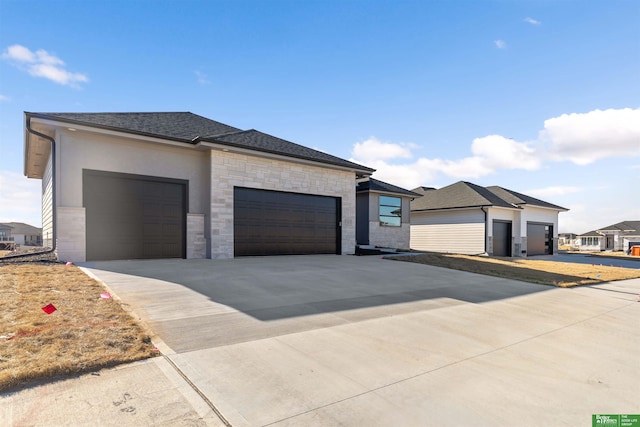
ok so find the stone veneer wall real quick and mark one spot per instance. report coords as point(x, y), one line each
point(196, 241)
point(229, 170)
point(389, 237)
point(71, 234)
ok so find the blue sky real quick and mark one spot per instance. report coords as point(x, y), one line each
point(542, 97)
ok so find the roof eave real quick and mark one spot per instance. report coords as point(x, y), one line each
point(454, 208)
point(54, 119)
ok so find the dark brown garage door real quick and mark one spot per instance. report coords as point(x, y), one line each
point(279, 223)
point(501, 238)
point(539, 238)
point(133, 216)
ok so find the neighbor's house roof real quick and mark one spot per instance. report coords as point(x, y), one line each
point(189, 128)
point(383, 187)
point(464, 194)
point(522, 199)
point(22, 228)
point(626, 227)
point(591, 233)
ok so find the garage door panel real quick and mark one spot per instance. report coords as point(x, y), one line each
point(539, 238)
point(279, 223)
point(133, 217)
point(502, 238)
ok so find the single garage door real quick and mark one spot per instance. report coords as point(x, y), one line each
point(539, 239)
point(278, 223)
point(133, 216)
point(501, 238)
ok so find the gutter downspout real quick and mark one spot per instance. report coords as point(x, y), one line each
point(53, 193)
point(486, 229)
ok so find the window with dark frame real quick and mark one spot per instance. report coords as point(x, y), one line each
point(390, 211)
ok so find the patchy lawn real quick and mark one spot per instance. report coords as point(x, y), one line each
point(86, 332)
point(554, 273)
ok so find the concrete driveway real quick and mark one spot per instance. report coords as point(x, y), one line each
point(344, 340)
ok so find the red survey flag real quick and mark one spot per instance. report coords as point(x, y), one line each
point(49, 308)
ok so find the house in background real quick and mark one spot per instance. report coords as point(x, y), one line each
point(179, 185)
point(591, 241)
point(470, 219)
point(616, 237)
point(25, 234)
point(567, 239)
point(383, 213)
point(6, 238)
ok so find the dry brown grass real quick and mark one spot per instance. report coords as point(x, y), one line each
point(528, 270)
point(85, 333)
point(3, 253)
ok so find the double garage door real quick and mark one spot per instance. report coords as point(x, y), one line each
point(279, 223)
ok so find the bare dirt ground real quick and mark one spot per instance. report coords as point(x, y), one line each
point(85, 332)
point(553, 273)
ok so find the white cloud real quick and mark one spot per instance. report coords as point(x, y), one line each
point(19, 53)
point(407, 175)
point(42, 64)
point(588, 137)
point(373, 149)
point(4, 98)
point(20, 199)
point(580, 138)
point(498, 152)
point(203, 79)
point(532, 21)
point(500, 44)
point(558, 190)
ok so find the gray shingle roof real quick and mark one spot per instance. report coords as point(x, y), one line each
point(377, 185)
point(181, 126)
point(256, 140)
point(22, 228)
point(626, 227)
point(462, 194)
point(191, 128)
point(592, 233)
point(521, 199)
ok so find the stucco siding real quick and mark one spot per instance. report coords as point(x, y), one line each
point(533, 214)
point(229, 170)
point(84, 150)
point(460, 231)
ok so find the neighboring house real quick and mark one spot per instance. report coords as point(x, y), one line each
point(470, 219)
point(591, 241)
point(567, 239)
point(617, 237)
point(179, 185)
point(25, 234)
point(6, 238)
point(383, 214)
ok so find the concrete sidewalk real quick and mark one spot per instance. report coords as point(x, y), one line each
point(148, 392)
point(364, 341)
